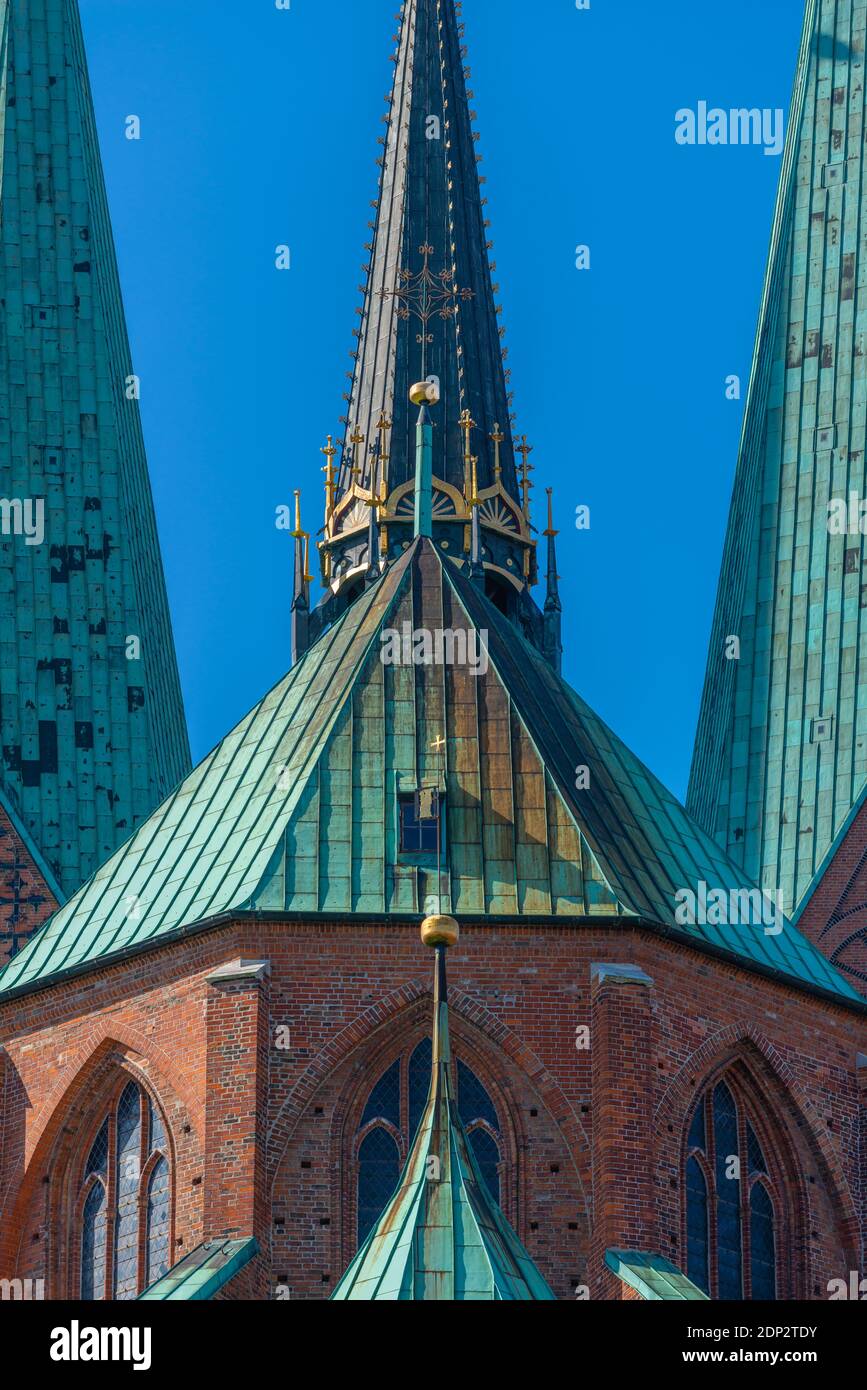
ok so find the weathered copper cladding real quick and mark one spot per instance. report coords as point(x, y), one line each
point(93, 730)
point(299, 809)
point(781, 752)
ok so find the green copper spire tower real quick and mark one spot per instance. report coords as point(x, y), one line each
point(93, 731)
point(781, 752)
point(442, 1237)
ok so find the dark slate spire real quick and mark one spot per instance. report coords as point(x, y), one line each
point(429, 272)
point(430, 313)
point(93, 730)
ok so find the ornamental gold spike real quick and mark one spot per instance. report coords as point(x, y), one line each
point(474, 464)
point(468, 424)
point(356, 439)
point(330, 486)
point(298, 533)
point(384, 428)
point(526, 450)
point(498, 438)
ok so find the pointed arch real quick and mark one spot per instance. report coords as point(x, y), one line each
point(481, 1024)
point(785, 1123)
point(69, 1120)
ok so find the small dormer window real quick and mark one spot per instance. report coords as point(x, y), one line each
point(420, 818)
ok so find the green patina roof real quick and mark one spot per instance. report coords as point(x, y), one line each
point(93, 733)
point(442, 1236)
point(297, 809)
point(655, 1278)
point(766, 781)
point(203, 1272)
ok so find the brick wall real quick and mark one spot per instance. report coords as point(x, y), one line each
point(263, 1122)
point(25, 898)
point(835, 917)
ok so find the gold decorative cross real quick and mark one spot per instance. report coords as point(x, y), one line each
point(526, 469)
point(330, 452)
point(498, 438)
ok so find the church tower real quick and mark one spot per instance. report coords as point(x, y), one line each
point(781, 753)
point(93, 730)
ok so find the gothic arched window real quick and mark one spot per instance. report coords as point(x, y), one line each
point(391, 1117)
point(732, 1220)
point(124, 1200)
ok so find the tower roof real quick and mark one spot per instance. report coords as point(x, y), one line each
point(299, 810)
point(90, 704)
point(441, 1236)
point(429, 302)
point(781, 750)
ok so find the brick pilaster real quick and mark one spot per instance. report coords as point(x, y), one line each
point(238, 1022)
point(621, 1051)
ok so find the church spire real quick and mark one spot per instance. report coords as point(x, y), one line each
point(430, 314)
point(442, 1237)
point(94, 735)
point(781, 749)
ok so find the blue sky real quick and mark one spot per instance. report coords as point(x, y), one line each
point(259, 127)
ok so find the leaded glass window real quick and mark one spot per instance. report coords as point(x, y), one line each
point(157, 1233)
point(762, 1250)
point(487, 1156)
point(93, 1244)
point(127, 1179)
point(697, 1249)
point(125, 1200)
point(730, 1216)
point(378, 1174)
point(390, 1120)
point(419, 1083)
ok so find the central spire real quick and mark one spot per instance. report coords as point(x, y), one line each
point(430, 316)
point(429, 306)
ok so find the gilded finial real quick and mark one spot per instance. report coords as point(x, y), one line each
point(526, 450)
point(468, 424)
point(384, 428)
point(440, 930)
point(550, 531)
point(356, 439)
point(498, 438)
point(474, 498)
point(330, 486)
point(308, 577)
point(298, 533)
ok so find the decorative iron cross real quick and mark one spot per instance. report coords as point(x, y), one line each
point(426, 294)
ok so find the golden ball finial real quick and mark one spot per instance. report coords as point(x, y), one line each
point(440, 931)
point(425, 392)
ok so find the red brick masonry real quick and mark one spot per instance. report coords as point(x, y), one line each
point(594, 1137)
